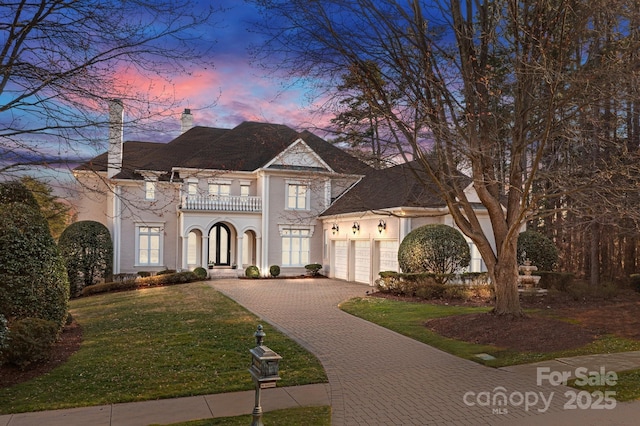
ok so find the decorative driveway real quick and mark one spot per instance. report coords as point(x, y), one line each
point(378, 377)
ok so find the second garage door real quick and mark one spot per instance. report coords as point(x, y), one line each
point(362, 258)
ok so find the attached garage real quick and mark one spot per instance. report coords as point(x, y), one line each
point(340, 261)
point(362, 261)
point(387, 256)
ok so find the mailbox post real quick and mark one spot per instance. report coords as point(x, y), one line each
point(263, 370)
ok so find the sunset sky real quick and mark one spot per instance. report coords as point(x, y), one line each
point(241, 90)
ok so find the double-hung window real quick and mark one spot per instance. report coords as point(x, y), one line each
point(295, 247)
point(149, 245)
point(297, 196)
point(192, 188)
point(219, 189)
point(149, 190)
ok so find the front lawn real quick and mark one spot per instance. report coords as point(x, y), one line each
point(159, 343)
point(409, 318)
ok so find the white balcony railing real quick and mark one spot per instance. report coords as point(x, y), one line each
point(226, 203)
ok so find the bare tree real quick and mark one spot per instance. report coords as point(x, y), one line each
point(62, 60)
point(479, 86)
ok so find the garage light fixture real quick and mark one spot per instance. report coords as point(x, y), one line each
point(356, 227)
point(335, 228)
point(382, 226)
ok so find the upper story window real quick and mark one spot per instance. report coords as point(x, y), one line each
point(219, 189)
point(192, 187)
point(149, 190)
point(244, 190)
point(297, 196)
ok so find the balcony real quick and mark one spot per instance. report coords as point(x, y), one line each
point(222, 203)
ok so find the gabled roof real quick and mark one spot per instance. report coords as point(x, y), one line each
point(247, 147)
point(392, 187)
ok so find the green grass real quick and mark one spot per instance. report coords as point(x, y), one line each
point(159, 343)
point(409, 318)
point(304, 416)
point(627, 387)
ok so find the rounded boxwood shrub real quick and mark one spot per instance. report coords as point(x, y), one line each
point(33, 278)
point(29, 341)
point(252, 272)
point(539, 249)
point(438, 249)
point(88, 254)
point(201, 273)
point(274, 270)
point(313, 269)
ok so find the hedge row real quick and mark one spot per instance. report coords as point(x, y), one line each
point(141, 282)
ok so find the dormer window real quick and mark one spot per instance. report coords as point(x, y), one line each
point(192, 187)
point(149, 190)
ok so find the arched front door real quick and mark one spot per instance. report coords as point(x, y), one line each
point(220, 245)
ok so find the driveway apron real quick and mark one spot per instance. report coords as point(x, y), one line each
point(379, 377)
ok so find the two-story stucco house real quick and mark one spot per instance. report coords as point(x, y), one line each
point(258, 194)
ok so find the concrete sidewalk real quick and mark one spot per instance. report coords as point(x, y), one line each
point(167, 411)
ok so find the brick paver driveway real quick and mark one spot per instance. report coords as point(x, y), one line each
point(378, 377)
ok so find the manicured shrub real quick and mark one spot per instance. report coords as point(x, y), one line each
point(88, 254)
point(274, 270)
point(388, 281)
point(313, 269)
point(30, 340)
point(437, 248)
point(431, 291)
point(201, 273)
point(33, 278)
point(132, 284)
point(121, 285)
point(252, 271)
point(166, 271)
point(539, 249)
point(141, 274)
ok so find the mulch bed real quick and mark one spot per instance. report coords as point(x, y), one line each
point(69, 343)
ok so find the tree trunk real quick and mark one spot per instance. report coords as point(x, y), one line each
point(505, 279)
point(594, 256)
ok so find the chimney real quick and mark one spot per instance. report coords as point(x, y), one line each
point(186, 120)
point(116, 131)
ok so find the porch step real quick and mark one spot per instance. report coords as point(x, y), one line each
point(223, 273)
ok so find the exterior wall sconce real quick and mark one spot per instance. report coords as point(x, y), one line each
point(356, 227)
point(335, 228)
point(382, 226)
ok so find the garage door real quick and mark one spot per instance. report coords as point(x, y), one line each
point(388, 256)
point(340, 260)
point(363, 262)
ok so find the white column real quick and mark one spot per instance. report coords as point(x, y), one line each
point(205, 252)
point(239, 250)
point(258, 251)
point(185, 251)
